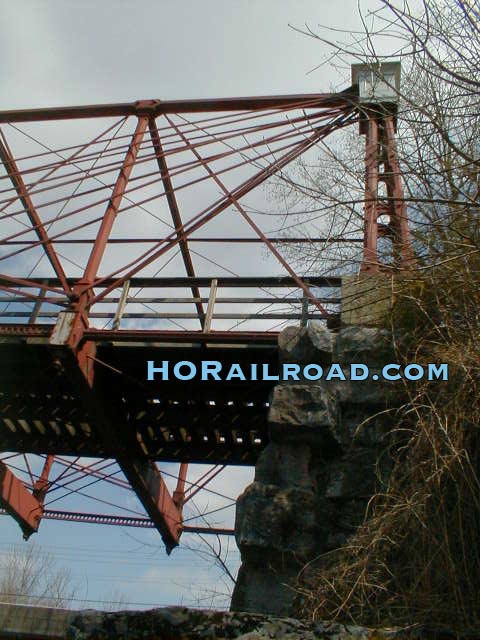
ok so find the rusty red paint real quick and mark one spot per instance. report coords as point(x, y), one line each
point(157, 107)
point(19, 502)
point(340, 110)
point(175, 213)
point(380, 147)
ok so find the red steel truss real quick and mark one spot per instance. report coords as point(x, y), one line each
point(387, 217)
point(71, 197)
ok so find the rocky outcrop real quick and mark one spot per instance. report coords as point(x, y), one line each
point(314, 480)
point(177, 623)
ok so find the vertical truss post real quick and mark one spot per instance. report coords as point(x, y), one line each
point(211, 305)
point(118, 192)
point(398, 209)
point(179, 493)
point(142, 474)
point(380, 149)
point(231, 198)
point(41, 486)
point(82, 290)
point(304, 319)
point(121, 305)
point(175, 213)
point(370, 229)
point(38, 305)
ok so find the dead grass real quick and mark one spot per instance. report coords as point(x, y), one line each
point(416, 558)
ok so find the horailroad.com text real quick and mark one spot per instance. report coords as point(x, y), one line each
point(214, 370)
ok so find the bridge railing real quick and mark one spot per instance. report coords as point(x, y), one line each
point(168, 301)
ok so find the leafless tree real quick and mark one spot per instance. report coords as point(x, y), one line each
point(414, 559)
point(31, 576)
point(438, 44)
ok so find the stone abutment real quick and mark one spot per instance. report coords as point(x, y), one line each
point(315, 478)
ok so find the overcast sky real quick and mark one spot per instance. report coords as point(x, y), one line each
point(64, 52)
point(58, 52)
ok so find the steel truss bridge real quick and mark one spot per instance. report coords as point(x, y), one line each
point(109, 216)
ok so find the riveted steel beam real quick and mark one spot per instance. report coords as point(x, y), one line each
point(17, 500)
point(157, 107)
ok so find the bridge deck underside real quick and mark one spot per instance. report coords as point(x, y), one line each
point(215, 422)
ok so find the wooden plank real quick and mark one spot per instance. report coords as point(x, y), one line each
point(211, 305)
point(121, 305)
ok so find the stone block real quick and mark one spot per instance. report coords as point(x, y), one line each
point(272, 522)
point(367, 345)
point(352, 476)
point(265, 590)
point(304, 414)
point(366, 299)
point(304, 345)
point(308, 405)
point(285, 466)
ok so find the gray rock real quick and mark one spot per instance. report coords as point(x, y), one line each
point(305, 414)
point(321, 337)
point(314, 480)
point(286, 466)
point(272, 522)
point(180, 623)
point(368, 345)
point(307, 405)
point(262, 589)
point(312, 344)
point(352, 476)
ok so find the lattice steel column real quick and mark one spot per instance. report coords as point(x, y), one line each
point(381, 165)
